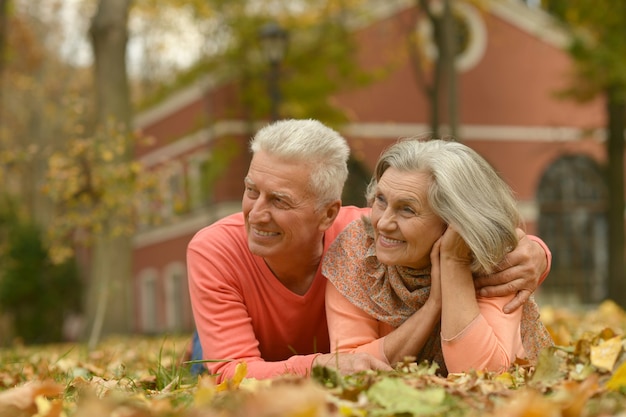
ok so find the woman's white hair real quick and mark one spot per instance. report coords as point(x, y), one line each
point(465, 192)
point(313, 144)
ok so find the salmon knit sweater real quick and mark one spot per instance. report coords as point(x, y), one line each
point(243, 312)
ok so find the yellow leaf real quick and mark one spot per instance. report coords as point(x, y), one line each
point(241, 370)
point(47, 408)
point(107, 156)
point(205, 392)
point(618, 380)
point(506, 378)
point(604, 355)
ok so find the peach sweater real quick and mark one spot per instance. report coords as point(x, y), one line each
point(243, 313)
point(363, 306)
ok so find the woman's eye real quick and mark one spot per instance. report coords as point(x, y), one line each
point(408, 210)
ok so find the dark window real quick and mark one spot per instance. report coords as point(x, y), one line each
point(356, 184)
point(572, 199)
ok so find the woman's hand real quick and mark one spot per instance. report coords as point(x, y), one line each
point(434, 298)
point(459, 306)
point(453, 247)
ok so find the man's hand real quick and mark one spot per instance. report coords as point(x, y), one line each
point(518, 274)
point(350, 363)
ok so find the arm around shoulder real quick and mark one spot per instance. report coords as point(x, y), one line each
point(548, 256)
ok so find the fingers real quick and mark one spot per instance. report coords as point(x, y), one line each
point(520, 298)
point(349, 363)
point(434, 253)
point(502, 278)
point(380, 365)
point(511, 287)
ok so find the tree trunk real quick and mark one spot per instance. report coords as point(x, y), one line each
point(616, 110)
point(4, 19)
point(110, 276)
point(438, 71)
point(444, 78)
point(448, 48)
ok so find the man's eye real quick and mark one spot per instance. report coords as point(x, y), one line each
point(280, 203)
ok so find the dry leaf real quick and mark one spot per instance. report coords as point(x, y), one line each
point(604, 355)
point(21, 401)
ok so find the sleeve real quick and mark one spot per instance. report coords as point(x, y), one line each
point(222, 320)
point(490, 342)
point(350, 328)
point(548, 257)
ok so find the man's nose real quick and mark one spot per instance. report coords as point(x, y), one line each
point(260, 210)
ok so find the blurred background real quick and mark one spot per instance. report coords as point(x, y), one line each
point(124, 128)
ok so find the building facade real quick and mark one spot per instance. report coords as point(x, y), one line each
point(512, 66)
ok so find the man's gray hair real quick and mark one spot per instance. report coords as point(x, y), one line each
point(315, 145)
point(465, 191)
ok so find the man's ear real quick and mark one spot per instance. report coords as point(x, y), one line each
point(329, 214)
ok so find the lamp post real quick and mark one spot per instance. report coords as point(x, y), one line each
point(274, 43)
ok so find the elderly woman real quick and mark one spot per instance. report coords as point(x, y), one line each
point(401, 283)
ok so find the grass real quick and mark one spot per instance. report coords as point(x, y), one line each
point(585, 375)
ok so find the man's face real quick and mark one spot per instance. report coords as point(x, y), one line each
point(279, 210)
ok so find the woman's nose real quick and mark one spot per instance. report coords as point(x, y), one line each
point(387, 220)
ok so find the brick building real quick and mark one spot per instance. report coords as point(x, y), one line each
point(549, 150)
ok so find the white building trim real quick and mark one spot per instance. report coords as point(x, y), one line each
point(173, 103)
point(188, 225)
point(500, 133)
point(193, 141)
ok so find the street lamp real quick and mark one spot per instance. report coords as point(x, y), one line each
point(274, 43)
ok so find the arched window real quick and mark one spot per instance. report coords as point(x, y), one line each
point(148, 297)
point(176, 297)
point(572, 199)
point(471, 31)
point(199, 180)
point(174, 193)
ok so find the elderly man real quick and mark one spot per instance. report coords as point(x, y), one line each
point(255, 281)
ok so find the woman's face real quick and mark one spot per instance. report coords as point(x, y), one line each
point(405, 226)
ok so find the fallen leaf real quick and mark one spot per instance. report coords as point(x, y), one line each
point(395, 397)
point(21, 401)
point(604, 355)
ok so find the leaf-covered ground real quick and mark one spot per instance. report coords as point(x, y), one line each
point(584, 375)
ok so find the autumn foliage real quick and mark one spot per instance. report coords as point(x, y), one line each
point(584, 375)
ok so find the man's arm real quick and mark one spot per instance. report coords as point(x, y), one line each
point(521, 273)
point(224, 325)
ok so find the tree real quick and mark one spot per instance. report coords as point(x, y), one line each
point(34, 112)
point(438, 79)
point(91, 178)
point(112, 250)
point(598, 48)
point(4, 12)
point(319, 61)
point(38, 294)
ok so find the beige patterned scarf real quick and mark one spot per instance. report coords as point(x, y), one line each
point(392, 294)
